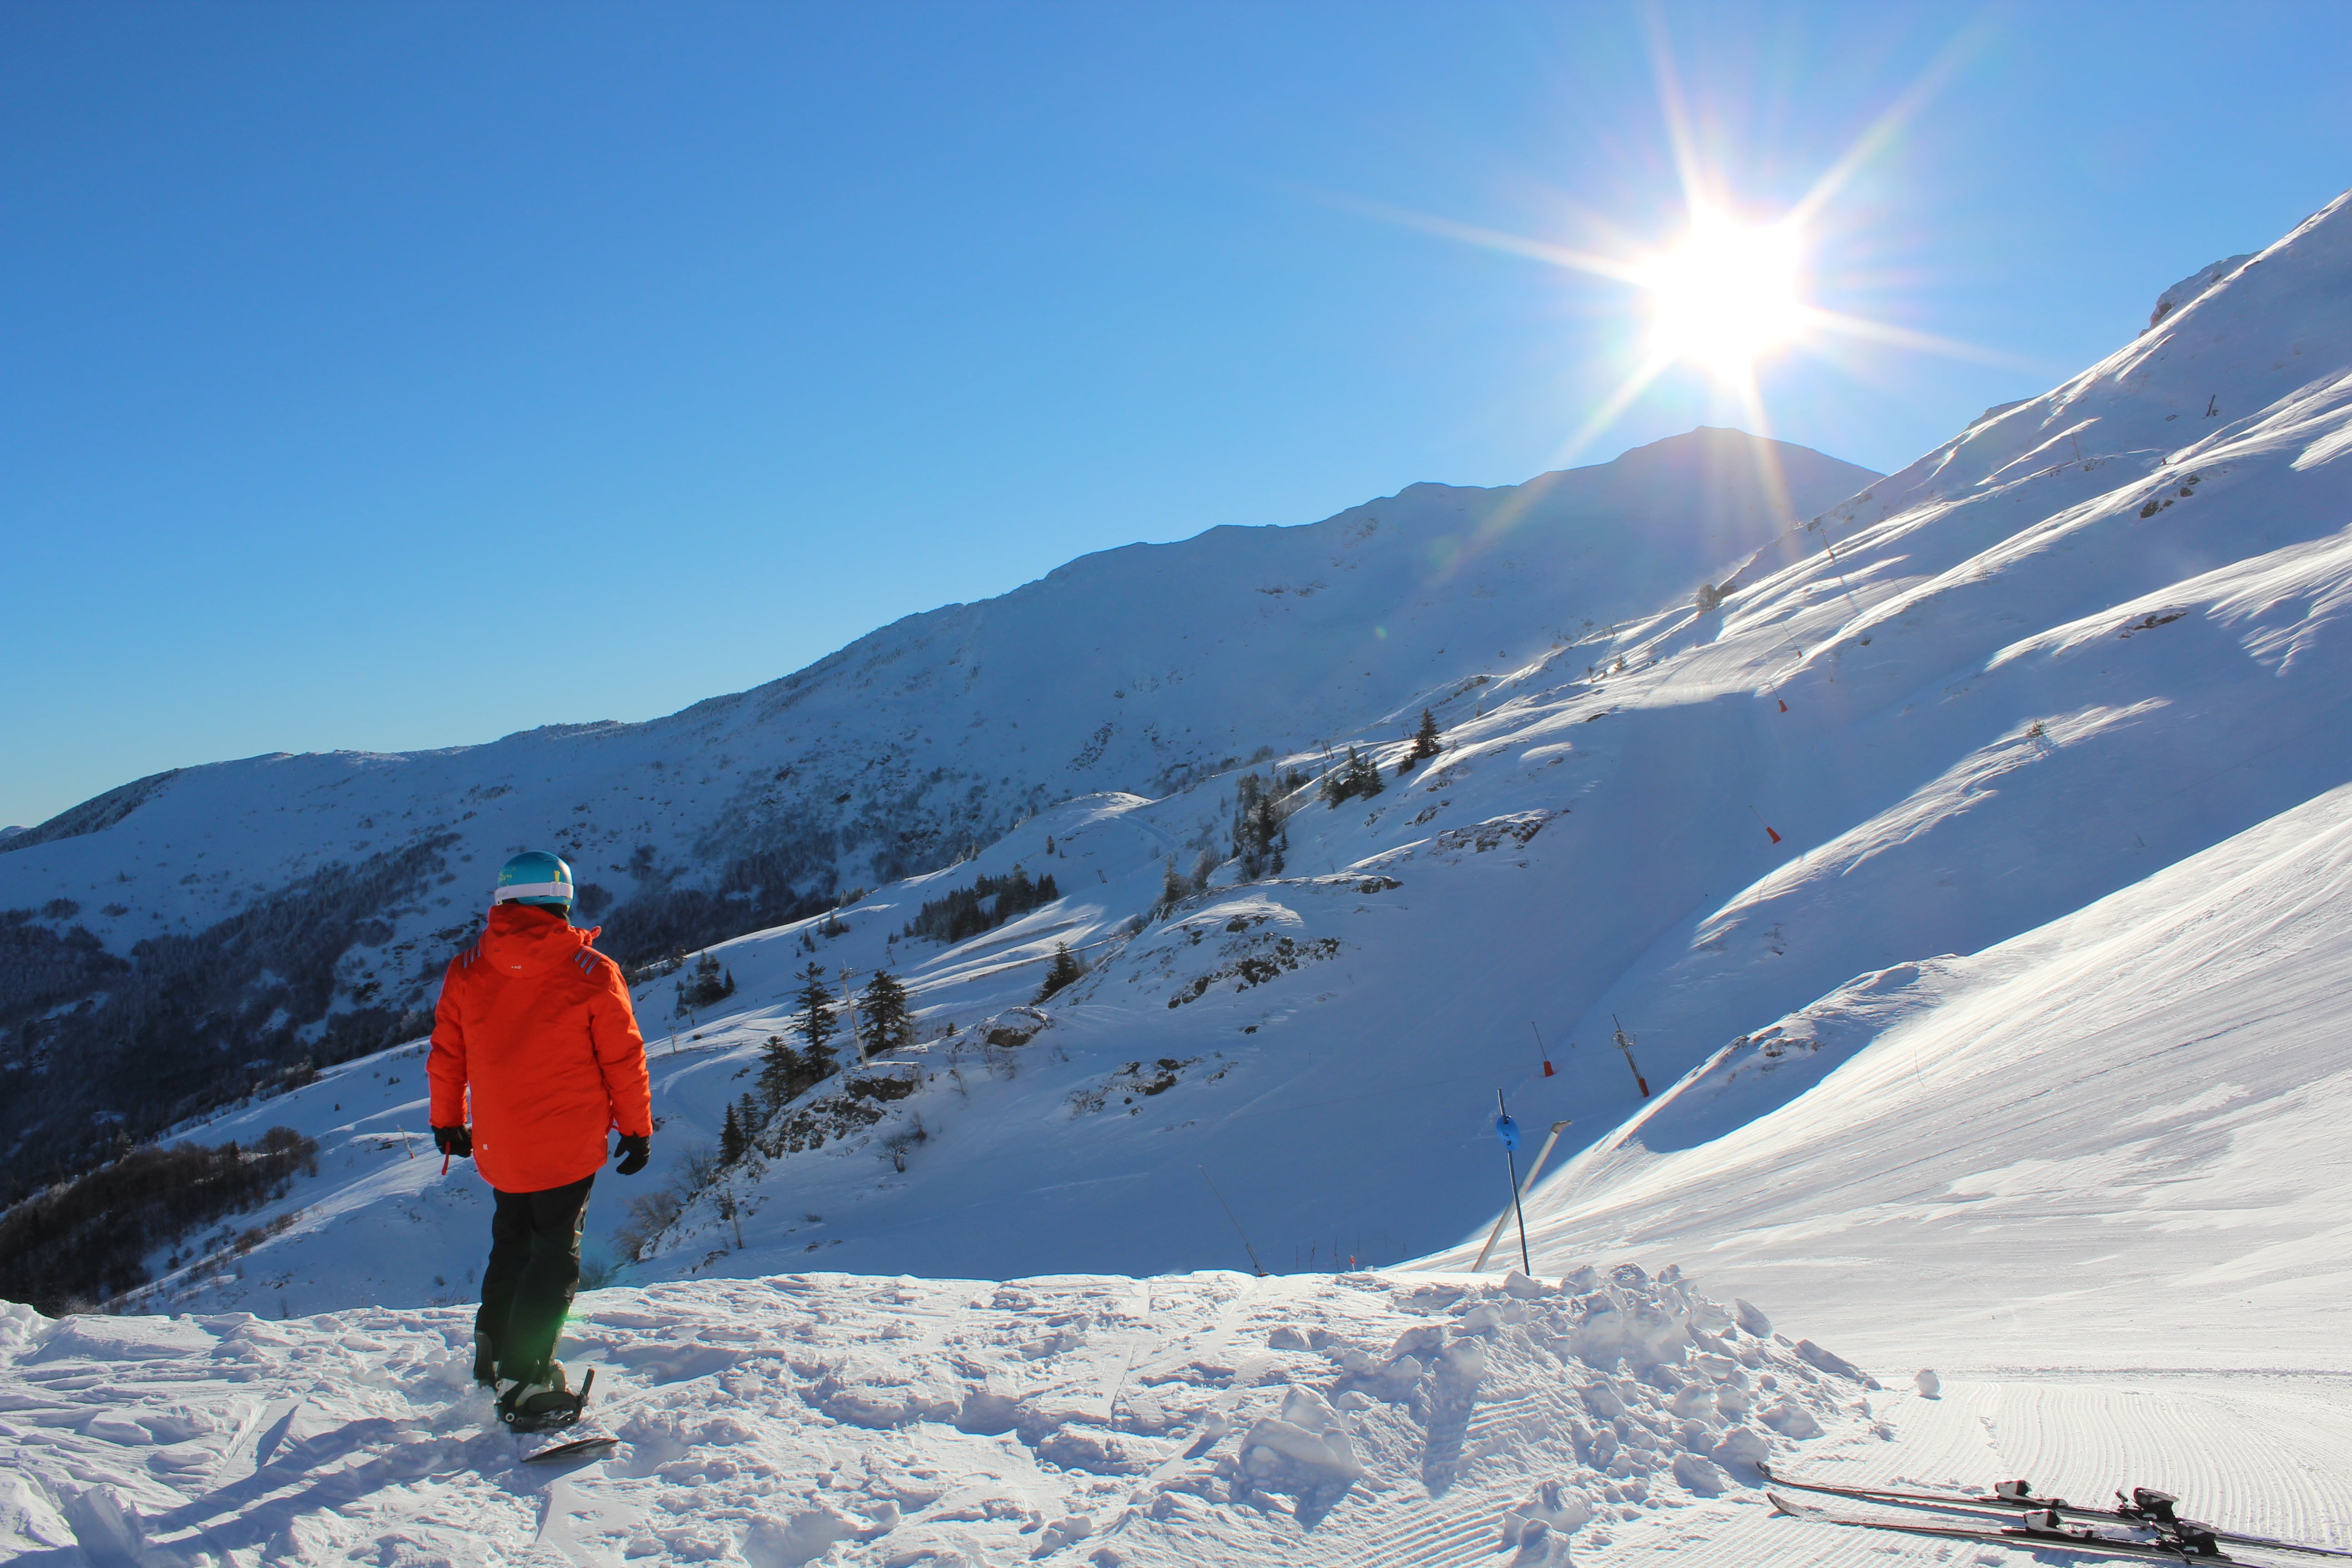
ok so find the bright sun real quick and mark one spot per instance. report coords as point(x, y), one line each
point(1725, 295)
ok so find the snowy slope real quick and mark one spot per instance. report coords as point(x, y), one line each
point(1137, 669)
point(2020, 685)
point(2120, 1140)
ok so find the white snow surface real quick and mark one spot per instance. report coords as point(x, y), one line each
point(1364, 1420)
point(2016, 1055)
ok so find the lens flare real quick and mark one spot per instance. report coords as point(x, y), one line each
point(1725, 295)
point(1730, 292)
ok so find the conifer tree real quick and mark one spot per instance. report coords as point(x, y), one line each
point(730, 1138)
point(817, 1023)
point(782, 1072)
point(888, 1024)
point(1259, 839)
point(1359, 776)
point(1063, 971)
point(1273, 837)
point(712, 984)
point(749, 1117)
point(1425, 742)
point(1173, 885)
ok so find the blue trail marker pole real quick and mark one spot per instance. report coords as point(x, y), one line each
point(1525, 1187)
point(1508, 1132)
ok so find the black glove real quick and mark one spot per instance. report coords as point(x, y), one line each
point(635, 1149)
point(453, 1141)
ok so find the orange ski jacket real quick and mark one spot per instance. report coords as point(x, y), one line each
point(535, 1026)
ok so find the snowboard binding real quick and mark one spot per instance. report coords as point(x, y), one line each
point(544, 1406)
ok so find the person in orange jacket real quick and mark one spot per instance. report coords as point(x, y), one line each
point(535, 1029)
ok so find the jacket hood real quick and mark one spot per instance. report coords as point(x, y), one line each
point(523, 939)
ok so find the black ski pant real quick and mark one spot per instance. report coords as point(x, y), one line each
point(533, 1271)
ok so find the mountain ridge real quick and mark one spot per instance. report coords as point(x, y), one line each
point(1142, 667)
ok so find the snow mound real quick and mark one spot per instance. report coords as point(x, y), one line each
point(783, 1421)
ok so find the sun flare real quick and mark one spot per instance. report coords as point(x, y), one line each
point(1725, 295)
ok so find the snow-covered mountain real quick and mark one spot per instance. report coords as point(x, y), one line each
point(247, 917)
point(2097, 634)
point(1968, 873)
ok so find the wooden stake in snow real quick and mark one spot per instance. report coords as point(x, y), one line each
point(1524, 1188)
point(1626, 1044)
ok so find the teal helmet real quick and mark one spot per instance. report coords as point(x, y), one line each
point(535, 876)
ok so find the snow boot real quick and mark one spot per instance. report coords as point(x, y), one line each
point(486, 1361)
point(544, 1403)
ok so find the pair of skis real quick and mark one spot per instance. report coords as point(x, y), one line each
point(2045, 1522)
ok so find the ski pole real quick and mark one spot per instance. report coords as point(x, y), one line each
point(1524, 1187)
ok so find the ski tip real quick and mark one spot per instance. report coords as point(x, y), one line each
point(1783, 1506)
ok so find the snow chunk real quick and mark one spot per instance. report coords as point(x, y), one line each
point(1791, 1420)
point(806, 1536)
point(1741, 1446)
point(1828, 1362)
point(1697, 1474)
point(1307, 1447)
point(107, 1528)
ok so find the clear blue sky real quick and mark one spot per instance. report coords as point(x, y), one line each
point(399, 376)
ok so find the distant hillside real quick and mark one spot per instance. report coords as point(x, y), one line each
point(215, 930)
